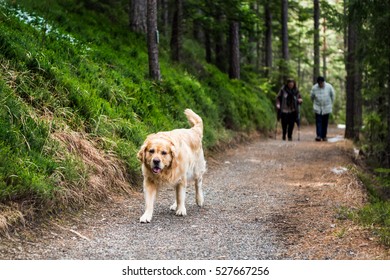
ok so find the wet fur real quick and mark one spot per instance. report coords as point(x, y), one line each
point(173, 159)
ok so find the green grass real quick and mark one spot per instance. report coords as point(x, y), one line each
point(376, 214)
point(79, 69)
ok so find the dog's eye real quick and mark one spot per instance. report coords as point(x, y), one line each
point(151, 151)
point(164, 153)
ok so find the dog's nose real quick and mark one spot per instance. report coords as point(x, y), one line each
point(156, 161)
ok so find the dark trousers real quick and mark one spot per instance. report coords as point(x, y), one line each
point(322, 125)
point(288, 121)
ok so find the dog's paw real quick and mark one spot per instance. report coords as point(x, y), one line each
point(173, 207)
point(200, 201)
point(146, 218)
point(181, 212)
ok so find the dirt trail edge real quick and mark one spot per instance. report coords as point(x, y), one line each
point(268, 199)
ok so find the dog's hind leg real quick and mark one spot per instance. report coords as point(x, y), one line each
point(199, 191)
point(173, 206)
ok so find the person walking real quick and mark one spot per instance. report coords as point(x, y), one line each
point(287, 102)
point(322, 94)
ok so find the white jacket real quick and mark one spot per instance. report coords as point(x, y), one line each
point(322, 98)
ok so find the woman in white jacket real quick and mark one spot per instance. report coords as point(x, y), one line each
point(322, 94)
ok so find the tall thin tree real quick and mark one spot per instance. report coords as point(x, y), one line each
point(152, 40)
point(137, 16)
point(176, 37)
point(316, 66)
point(234, 47)
point(324, 50)
point(220, 41)
point(285, 51)
point(354, 80)
point(268, 37)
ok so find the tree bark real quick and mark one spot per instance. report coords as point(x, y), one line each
point(388, 105)
point(152, 40)
point(234, 55)
point(354, 83)
point(220, 41)
point(285, 52)
point(138, 16)
point(324, 52)
point(176, 37)
point(268, 38)
point(316, 66)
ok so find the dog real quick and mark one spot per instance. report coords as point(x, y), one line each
point(173, 159)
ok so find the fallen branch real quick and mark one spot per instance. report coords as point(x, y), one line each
point(73, 231)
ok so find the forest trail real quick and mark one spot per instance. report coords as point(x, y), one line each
point(267, 199)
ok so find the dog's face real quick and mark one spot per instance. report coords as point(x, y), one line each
point(157, 154)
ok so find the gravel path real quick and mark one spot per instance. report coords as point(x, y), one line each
point(267, 199)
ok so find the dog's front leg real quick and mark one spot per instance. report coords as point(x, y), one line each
point(150, 192)
point(180, 198)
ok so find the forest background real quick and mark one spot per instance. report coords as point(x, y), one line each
point(83, 82)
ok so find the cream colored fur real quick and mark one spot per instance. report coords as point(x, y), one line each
point(173, 159)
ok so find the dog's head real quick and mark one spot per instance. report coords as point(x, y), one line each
point(157, 153)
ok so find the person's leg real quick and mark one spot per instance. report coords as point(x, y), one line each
point(291, 122)
point(284, 119)
point(325, 120)
point(318, 127)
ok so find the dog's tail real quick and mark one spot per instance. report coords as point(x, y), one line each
point(194, 120)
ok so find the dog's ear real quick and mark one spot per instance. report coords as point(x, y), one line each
point(175, 155)
point(141, 152)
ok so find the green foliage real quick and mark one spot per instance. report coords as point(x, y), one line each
point(73, 66)
point(375, 142)
point(375, 60)
point(377, 215)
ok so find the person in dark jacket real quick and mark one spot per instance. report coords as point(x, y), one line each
point(287, 102)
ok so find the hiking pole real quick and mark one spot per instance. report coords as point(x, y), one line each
point(276, 122)
point(276, 127)
point(299, 123)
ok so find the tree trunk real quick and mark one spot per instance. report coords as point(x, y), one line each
point(251, 45)
point(324, 51)
point(354, 83)
point(234, 55)
point(138, 16)
point(176, 37)
point(316, 66)
point(152, 38)
point(220, 41)
point(268, 38)
point(388, 105)
point(285, 53)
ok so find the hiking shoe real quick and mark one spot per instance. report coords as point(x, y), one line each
point(325, 139)
point(289, 139)
point(318, 139)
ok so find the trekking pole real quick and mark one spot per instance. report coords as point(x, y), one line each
point(299, 123)
point(276, 127)
point(276, 122)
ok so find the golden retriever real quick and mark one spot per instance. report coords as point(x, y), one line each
point(173, 159)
